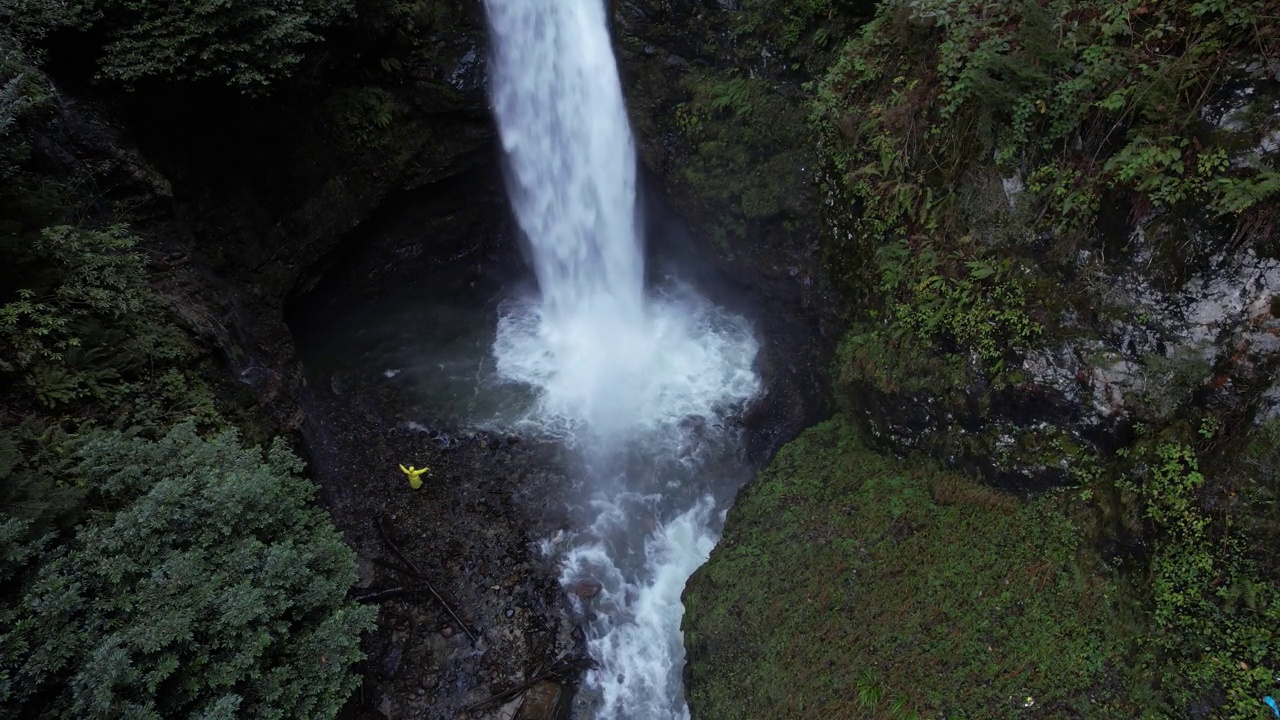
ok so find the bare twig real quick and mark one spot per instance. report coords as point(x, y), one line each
point(386, 540)
point(394, 566)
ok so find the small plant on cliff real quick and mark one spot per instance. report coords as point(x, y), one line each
point(806, 31)
point(364, 114)
point(1217, 613)
point(736, 123)
point(207, 585)
point(937, 310)
point(1088, 99)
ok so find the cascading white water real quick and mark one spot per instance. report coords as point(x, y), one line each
point(642, 383)
point(569, 152)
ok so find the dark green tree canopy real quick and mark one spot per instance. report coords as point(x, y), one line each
point(215, 588)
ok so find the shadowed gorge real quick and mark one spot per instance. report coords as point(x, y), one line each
point(643, 359)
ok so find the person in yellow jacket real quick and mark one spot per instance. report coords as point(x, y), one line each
point(415, 475)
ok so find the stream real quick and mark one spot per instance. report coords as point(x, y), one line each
point(642, 382)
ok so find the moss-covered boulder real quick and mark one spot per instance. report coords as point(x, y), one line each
point(851, 584)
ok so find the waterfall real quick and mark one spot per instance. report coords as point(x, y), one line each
point(569, 152)
point(641, 381)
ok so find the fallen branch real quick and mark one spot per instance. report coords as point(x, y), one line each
point(395, 566)
point(384, 594)
point(386, 540)
point(556, 671)
point(413, 571)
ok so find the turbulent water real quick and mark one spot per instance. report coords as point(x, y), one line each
point(643, 382)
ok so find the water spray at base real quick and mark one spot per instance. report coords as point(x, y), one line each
point(644, 384)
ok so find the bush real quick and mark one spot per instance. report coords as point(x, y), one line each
point(214, 589)
point(86, 332)
point(247, 45)
point(23, 86)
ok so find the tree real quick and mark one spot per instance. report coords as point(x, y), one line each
point(248, 44)
point(212, 588)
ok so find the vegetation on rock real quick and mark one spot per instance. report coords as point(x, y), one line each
point(973, 135)
point(852, 584)
point(247, 45)
point(739, 123)
point(149, 578)
point(989, 172)
point(151, 565)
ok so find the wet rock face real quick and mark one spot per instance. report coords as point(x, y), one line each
point(1137, 347)
point(255, 194)
point(469, 607)
point(768, 266)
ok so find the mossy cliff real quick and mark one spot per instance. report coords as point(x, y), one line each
point(850, 583)
point(1048, 230)
point(236, 184)
point(717, 100)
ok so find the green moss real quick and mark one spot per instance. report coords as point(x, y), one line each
point(898, 362)
point(851, 584)
point(745, 159)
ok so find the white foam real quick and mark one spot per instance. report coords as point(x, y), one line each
point(638, 644)
point(642, 384)
point(610, 380)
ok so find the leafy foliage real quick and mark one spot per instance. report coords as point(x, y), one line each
point(1018, 139)
point(214, 588)
point(807, 31)
point(1100, 94)
point(20, 93)
point(1217, 612)
point(86, 330)
point(365, 114)
point(938, 305)
point(179, 577)
point(986, 129)
point(24, 90)
point(403, 22)
point(735, 123)
point(247, 45)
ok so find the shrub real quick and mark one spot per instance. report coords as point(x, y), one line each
point(23, 87)
point(84, 330)
point(215, 588)
point(247, 45)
